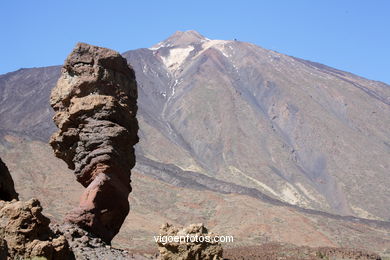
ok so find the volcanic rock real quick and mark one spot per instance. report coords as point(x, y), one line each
point(85, 245)
point(25, 232)
point(3, 249)
point(189, 244)
point(95, 104)
point(7, 189)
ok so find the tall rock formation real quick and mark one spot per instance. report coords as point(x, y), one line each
point(7, 189)
point(95, 104)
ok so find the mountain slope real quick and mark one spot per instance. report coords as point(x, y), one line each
point(153, 201)
point(295, 130)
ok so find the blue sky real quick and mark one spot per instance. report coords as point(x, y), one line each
point(348, 35)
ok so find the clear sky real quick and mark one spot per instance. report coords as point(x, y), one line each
point(352, 35)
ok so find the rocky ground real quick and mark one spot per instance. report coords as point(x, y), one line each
point(276, 251)
point(86, 246)
point(26, 233)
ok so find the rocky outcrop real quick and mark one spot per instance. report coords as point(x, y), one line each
point(7, 189)
point(192, 242)
point(95, 104)
point(25, 233)
point(86, 246)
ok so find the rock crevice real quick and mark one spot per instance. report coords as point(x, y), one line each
point(7, 188)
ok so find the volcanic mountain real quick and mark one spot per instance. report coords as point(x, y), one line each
point(252, 142)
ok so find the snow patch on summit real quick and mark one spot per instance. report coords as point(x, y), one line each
point(176, 57)
point(217, 44)
point(160, 45)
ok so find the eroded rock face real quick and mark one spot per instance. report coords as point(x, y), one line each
point(95, 104)
point(191, 245)
point(7, 189)
point(25, 232)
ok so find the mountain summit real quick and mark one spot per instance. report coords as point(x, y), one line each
point(181, 38)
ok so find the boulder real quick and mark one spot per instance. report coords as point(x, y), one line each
point(192, 243)
point(25, 233)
